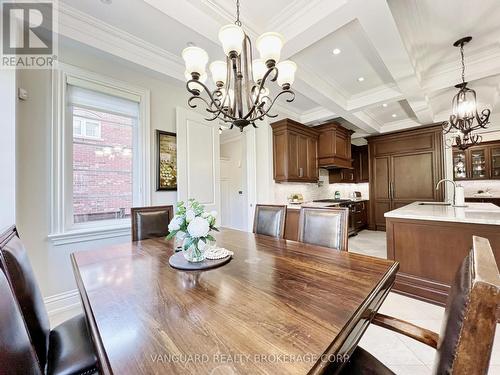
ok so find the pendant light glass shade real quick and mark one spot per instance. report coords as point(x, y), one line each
point(196, 59)
point(231, 36)
point(269, 46)
point(286, 73)
point(218, 69)
point(259, 68)
point(464, 104)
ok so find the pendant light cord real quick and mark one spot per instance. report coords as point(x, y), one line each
point(238, 22)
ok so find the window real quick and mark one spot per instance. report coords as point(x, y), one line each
point(101, 157)
point(86, 128)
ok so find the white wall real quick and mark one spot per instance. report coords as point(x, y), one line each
point(235, 153)
point(52, 263)
point(7, 148)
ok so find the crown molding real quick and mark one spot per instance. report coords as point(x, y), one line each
point(317, 114)
point(399, 125)
point(89, 30)
point(481, 63)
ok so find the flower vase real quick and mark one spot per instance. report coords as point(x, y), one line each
point(192, 251)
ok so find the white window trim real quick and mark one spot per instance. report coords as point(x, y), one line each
point(61, 169)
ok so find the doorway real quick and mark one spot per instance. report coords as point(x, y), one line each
point(233, 181)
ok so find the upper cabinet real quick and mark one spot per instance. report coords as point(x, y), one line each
point(359, 171)
point(294, 152)
point(478, 162)
point(334, 146)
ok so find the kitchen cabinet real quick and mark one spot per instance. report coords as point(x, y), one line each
point(358, 216)
point(479, 162)
point(359, 171)
point(294, 152)
point(339, 176)
point(334, 146)
point(405, 167)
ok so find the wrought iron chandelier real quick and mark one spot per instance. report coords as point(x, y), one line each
point(241, 97)
point(464, 110)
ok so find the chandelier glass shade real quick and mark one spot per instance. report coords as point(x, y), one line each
point(465, 118)
point(241, 95)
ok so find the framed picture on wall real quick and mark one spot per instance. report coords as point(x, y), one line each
point(166, 151)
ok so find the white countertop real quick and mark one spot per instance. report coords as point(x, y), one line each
point(474, 213)
point(320, 204)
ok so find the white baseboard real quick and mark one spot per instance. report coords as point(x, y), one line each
point(61, 302)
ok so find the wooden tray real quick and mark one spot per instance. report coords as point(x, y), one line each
point(178, 261)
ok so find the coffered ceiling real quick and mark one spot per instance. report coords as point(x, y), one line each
point(396, 67)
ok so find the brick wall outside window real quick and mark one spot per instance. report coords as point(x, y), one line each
point(102, 168)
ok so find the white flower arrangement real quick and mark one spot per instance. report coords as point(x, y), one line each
point(193, 223)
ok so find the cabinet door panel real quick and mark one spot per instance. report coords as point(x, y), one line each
point(380, 209)
point(381, 177)
point(302, 156)
point(413, 177)
point(280, 143)
point(312, 166)
point(364, 171)
point(293, 156)
point(325, 143)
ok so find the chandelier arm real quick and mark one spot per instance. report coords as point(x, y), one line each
point(196, 95)
point(259, 91)
point(266, 111)
point(247, 47)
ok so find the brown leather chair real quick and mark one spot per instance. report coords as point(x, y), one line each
point(150, 222)
point(16, 355)
point(68, 348)
point(326, 227)
point(269, 220)
point(468, 329)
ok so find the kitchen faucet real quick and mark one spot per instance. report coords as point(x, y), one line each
point(454, 202)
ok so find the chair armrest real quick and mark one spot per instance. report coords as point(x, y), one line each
point(423, 335)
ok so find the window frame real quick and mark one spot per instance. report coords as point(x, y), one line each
point(83, 128)
point(62, 230)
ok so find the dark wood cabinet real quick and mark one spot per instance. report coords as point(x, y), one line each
point(405, 167)
point(334, 146)
point(294, 152)
point(359, 171)
point(339, 176)
point(479, 162)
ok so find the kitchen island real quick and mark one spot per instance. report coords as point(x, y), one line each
point(430, 240)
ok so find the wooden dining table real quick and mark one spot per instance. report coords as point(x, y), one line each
point(278, 307)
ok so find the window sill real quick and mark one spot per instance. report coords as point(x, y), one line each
point(89, 234)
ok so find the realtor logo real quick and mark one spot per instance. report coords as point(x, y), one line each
point(28, 36)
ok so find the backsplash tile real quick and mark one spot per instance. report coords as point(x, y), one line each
point(312, 192)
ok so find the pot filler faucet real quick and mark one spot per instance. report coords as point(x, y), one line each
point(458, 192)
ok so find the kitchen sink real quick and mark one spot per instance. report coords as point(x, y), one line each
point(434, 204)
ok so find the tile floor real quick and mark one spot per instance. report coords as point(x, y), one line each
point(401, 354)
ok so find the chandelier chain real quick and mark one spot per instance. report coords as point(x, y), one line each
point(238, 22)
point(463, 63)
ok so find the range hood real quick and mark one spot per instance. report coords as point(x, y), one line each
point(334, 146)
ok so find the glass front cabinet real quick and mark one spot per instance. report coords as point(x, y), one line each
point(478, 162)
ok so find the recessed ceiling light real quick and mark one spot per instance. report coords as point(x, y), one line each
point(336, 51)
point(361, 79)
point(394, 115)
point(384, 105)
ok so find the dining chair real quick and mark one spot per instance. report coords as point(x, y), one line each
point(326, 227)
point(66, 349)
point(150, 222)
point(468, 329)
point(17, 355)
point(269, 220)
